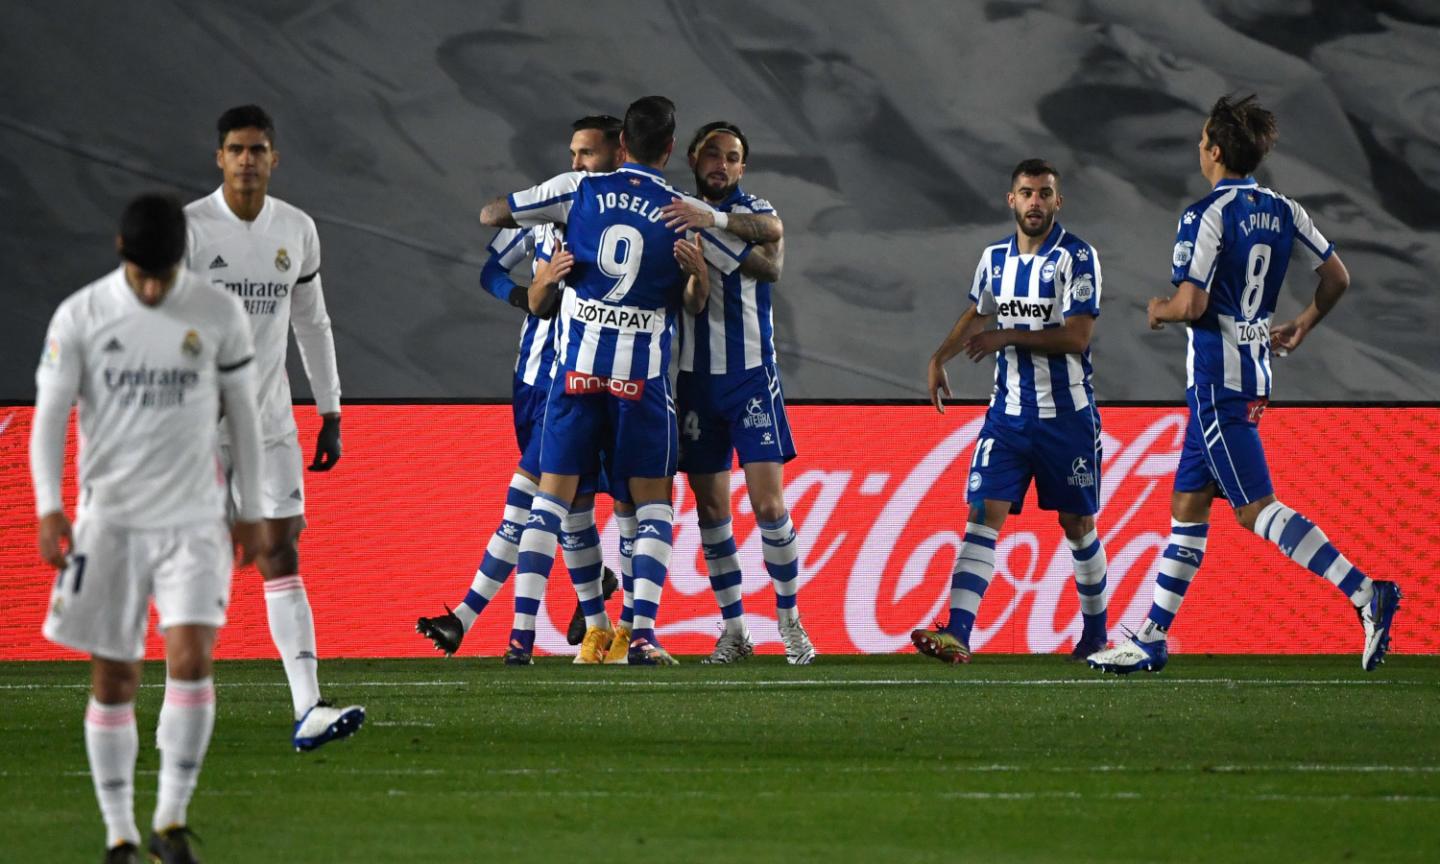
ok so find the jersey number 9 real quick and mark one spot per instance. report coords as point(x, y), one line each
point(622, 248)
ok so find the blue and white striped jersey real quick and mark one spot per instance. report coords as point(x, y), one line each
point(618, 317)
point(508, 249)
point(1235, 244)
point(735, 331)
point(1036, 292)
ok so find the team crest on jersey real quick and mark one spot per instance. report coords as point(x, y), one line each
point(974, 481)
point(1083, 288)
point(191, 345)
point(282, 260)
point(1047, 273)
point(634, 181)
point(1183, 250)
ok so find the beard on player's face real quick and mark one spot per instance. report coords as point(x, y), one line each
point(1024, 222)
point(716, 185)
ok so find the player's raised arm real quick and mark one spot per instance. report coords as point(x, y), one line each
point(57, 383)
point(497, 214)
point(691, 256)
point(547, 203)
point(688, 214)
point(508, 248)
point(550, 269)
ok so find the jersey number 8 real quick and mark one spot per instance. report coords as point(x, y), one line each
point(622, 248)
point(1255, 270)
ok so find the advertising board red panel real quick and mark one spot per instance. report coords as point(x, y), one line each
point(877, 497)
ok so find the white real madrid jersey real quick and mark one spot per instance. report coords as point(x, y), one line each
point(147, 382)
point(273, 266)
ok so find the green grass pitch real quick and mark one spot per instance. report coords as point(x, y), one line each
point(883, 759)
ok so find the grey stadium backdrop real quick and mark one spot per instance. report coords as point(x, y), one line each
point(883, 132)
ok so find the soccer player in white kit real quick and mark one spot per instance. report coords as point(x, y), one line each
point(148, 351)
point(266, 252)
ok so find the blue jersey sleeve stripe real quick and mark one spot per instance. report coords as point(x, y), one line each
point(714, 241)
point(500, 253)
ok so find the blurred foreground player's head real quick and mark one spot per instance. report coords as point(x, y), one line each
point(151, 242)
point(649, 134)
point(1237, 136)
point(247, 152)
point(718, 153)
point(595, 144)
point(1034, 196)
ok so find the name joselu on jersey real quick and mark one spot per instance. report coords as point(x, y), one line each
point(259, 298)
point(623, 201)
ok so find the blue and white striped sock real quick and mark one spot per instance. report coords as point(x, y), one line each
point(628, 526)
point(1178, 563)
point(1305, 544)
point(782, 562)
point(500, 553)
point(722, 559)
point(651, 563)
point(580, 543)
point(1088, 556)
point(536, 558)
point(974, 568)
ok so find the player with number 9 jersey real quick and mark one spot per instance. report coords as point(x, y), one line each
point(617, 316)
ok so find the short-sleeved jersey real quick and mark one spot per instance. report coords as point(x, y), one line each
point(735, 331)
point(146, 380)
point(618, 316)
point(273, 266)
point(510, 248)
point(1235, 244)
point(1037, 292)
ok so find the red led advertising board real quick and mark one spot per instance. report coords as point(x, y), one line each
point(877, 497)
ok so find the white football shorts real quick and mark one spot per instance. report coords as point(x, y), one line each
point(101, 600)
point(282, 483)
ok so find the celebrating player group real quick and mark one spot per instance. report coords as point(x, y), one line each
point(193, 326)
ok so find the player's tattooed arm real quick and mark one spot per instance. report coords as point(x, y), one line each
point(971, 322)
point(1334, 279)
point(544, 293)
point(680, 215)
point(1187, 303)
point(497, 214)
point(764, 263)
point(691, 257)
point(1072, 338)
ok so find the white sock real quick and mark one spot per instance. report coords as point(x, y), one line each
point(112, 743)
point(186, 720)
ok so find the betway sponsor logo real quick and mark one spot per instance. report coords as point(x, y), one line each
point(628, 319)
point(1016, 308)
point(582, 384)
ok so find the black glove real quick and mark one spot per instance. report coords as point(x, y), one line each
point(520, 297)
point(327, 444)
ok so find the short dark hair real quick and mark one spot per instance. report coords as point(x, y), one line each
point(704, 132)
point(1243, 130)
point(603, 122)
point(649, 127)
point(245, 117)
point(152, 232)
point(1033, 168)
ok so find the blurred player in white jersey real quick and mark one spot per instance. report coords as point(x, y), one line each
point(266, 252)
point(1231, 252)
point(1041, 286)
point(149, 352)
point(594, 147)
point(729, 399)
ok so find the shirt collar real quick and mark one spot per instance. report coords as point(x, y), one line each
point(1051, 240)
